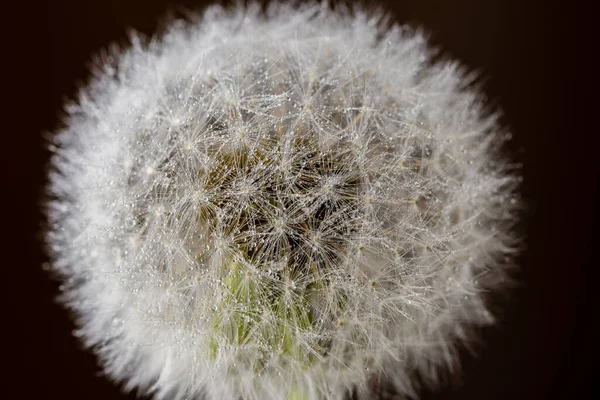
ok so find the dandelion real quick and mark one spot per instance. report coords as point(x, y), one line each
point(278, 205)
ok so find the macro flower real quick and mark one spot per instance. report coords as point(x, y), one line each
point(279, 204)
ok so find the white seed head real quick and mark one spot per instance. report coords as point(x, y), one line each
point(279, 206)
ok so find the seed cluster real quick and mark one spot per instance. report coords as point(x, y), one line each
point(280, 207)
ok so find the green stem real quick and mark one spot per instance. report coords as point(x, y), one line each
point(297, 395)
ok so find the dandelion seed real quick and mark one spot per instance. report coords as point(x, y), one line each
point(279, 206)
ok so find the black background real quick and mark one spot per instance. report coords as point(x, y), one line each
point(537, 66)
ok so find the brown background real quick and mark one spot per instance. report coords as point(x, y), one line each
point(536, 68)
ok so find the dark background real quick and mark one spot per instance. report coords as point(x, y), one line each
point(536, 66)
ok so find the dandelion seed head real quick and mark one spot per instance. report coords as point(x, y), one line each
point(279, 206)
